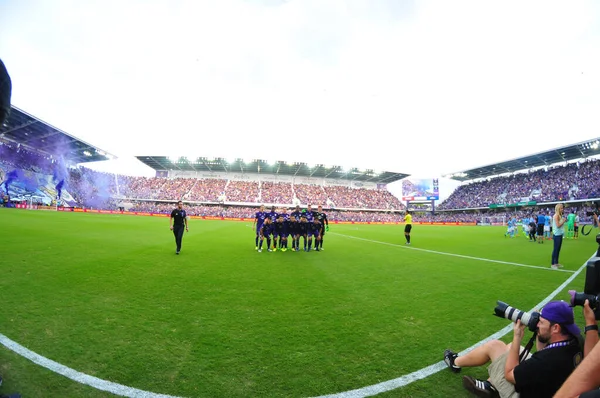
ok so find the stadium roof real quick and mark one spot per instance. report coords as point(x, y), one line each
point(276, 167)
point(577, 151)
point(37, 135)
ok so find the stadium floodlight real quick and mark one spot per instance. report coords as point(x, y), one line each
point(87, 153)
point(595, 145)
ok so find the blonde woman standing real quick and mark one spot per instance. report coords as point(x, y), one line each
point(558, 230)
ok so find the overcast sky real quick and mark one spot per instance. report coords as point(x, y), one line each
point(419, 87)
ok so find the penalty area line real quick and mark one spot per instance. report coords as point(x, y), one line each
point(489, 260)
point(432, 369)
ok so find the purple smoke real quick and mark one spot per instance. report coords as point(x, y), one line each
point(10, 177)
point(59, 187)
point(21, 181)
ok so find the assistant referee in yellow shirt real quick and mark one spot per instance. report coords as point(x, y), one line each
point(408, 226)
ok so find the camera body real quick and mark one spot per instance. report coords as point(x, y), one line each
point(591, 289)
point(595, 211)
point(529, 319)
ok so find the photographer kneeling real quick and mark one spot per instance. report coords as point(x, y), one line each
point(539, 375)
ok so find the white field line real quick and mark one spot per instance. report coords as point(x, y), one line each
point(79, 377)
point(453, 254)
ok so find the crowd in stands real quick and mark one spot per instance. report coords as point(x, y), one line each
point(92, 188)
point(207, 190)
point(137, 187)
point(242, 191)
point(345, 197)
point(562, 183)
point(18, 157)
point(310, 193)
point(587, 180)
point(175, 188)
point(276, 192)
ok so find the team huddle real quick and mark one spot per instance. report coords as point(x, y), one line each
point(277, 228)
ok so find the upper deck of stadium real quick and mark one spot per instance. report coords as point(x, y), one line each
point(280, 167)
point(34, 134)
point(580, 150)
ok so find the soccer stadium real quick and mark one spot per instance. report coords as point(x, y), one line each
point(299, 198)
point(97, 304)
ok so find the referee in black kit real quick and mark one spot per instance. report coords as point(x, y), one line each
point(176, 222)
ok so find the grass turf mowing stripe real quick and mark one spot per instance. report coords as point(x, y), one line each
point(432, 369)
point(453, 254)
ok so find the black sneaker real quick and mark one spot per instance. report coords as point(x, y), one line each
point(449, 358)
point(481, 388)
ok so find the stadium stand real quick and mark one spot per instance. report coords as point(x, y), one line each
point(276, 192)
point(207, 190)
point(242, 192)
point(31, 173)
point(574, 181)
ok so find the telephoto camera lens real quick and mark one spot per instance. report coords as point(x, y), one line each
point(529, 319)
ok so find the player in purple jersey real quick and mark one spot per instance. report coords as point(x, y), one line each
point(281, 232)
point(310, 214)
point(278, 232)
point(309, 231)
point(315, 228)
point(273, 215)
point(292, 229)
point(265, 232)
point(303, 227)
point(259, 219)
point(296, 213)
point(287, 231)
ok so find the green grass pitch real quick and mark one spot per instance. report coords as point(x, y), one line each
point(107, 296)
